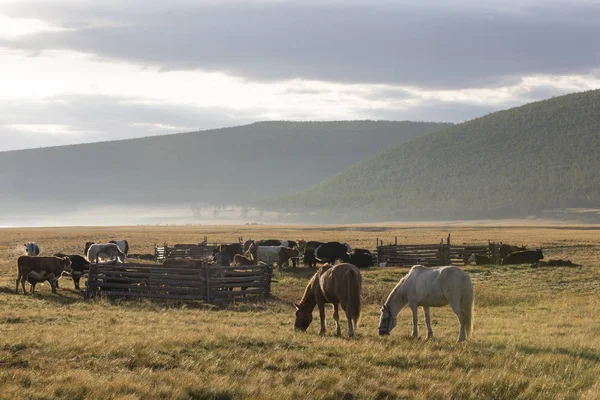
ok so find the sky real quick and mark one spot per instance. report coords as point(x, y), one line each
point(74, 71)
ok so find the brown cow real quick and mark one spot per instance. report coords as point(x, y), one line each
point(239, 260)
point(43, 268)
point(169, 262)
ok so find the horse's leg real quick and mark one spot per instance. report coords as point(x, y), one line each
point(428, 322)
point(414, 307)
point(322, 315)
point(336, 317)
point(455, 304)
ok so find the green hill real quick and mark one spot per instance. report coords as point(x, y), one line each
point(516, 162)
point(221, 166)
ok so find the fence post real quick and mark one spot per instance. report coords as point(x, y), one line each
point(267, 293)
point(207, 284)
point(92, 281)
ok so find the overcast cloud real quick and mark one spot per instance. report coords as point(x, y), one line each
point(83, 70)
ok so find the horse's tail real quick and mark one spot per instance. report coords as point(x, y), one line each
point(467, 305)
point(353, 300)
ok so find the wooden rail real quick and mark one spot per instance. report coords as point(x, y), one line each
point(212, 284)
point(433, 254)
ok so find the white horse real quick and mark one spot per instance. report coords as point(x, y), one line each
point(32, 249)
point(111, 251)
point(430, 287)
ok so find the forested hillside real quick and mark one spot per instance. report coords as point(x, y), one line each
point(222, 166)
point(516, 162)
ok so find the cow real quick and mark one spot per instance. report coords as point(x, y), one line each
point(79, 266)
point(273, 254)
point(523, 257)
point(171, 262)
point(38, 277)
point(231, 249)
point(123, 245)
point(50, 268)
point(506, 249)
point(479, 259)
point(99, 251)
point(240, 260)
point(361, 258)
point(309, 253)
point(32, 249)
point(330, 252)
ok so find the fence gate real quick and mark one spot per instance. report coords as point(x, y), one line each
point(212, 284)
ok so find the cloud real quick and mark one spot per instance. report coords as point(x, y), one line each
point(434, 44)
point(93, 118)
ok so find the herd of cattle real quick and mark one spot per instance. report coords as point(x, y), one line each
point(35, 269)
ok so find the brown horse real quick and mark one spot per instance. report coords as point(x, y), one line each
point(339, 284)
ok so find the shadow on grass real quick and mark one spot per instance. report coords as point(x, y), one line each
point(585, 354)
point(207, 394)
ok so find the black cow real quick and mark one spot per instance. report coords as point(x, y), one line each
point(506, 249)
point(276, 242)
point(524, 257)
point(479, 259)
point(309, 253)
point(361, 258)
point(79, 265)
point(331, 252)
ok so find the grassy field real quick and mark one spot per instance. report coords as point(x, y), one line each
point(536, 336)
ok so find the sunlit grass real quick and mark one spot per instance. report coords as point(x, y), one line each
point(536, 332)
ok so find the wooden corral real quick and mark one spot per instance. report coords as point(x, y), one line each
point(199, 251)
point(433, 254)
point(213, 284)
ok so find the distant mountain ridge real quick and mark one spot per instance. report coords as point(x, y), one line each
point(516, 162)
point(220, 166)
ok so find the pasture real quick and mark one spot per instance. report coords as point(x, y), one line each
point(536, 330)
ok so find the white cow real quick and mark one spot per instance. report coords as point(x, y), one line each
point(32, 249)
point(105, 251)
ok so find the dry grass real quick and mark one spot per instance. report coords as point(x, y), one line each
point(536, 335)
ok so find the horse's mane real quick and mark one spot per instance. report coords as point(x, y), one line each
point(402, 281)
point(312, 281)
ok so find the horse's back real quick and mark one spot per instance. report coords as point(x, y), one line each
point(335, 280)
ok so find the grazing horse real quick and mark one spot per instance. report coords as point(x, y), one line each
point(332, 251)
point(430, 287)
point(32, 249)
point(123, 245)
point(340, 285)
point(106, 250)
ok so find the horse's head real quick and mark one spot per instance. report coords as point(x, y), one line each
point(387, 322)
point(303, 318)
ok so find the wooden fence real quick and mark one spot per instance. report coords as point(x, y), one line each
point(434, 254)
point(212, 284)
point(196, 251)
